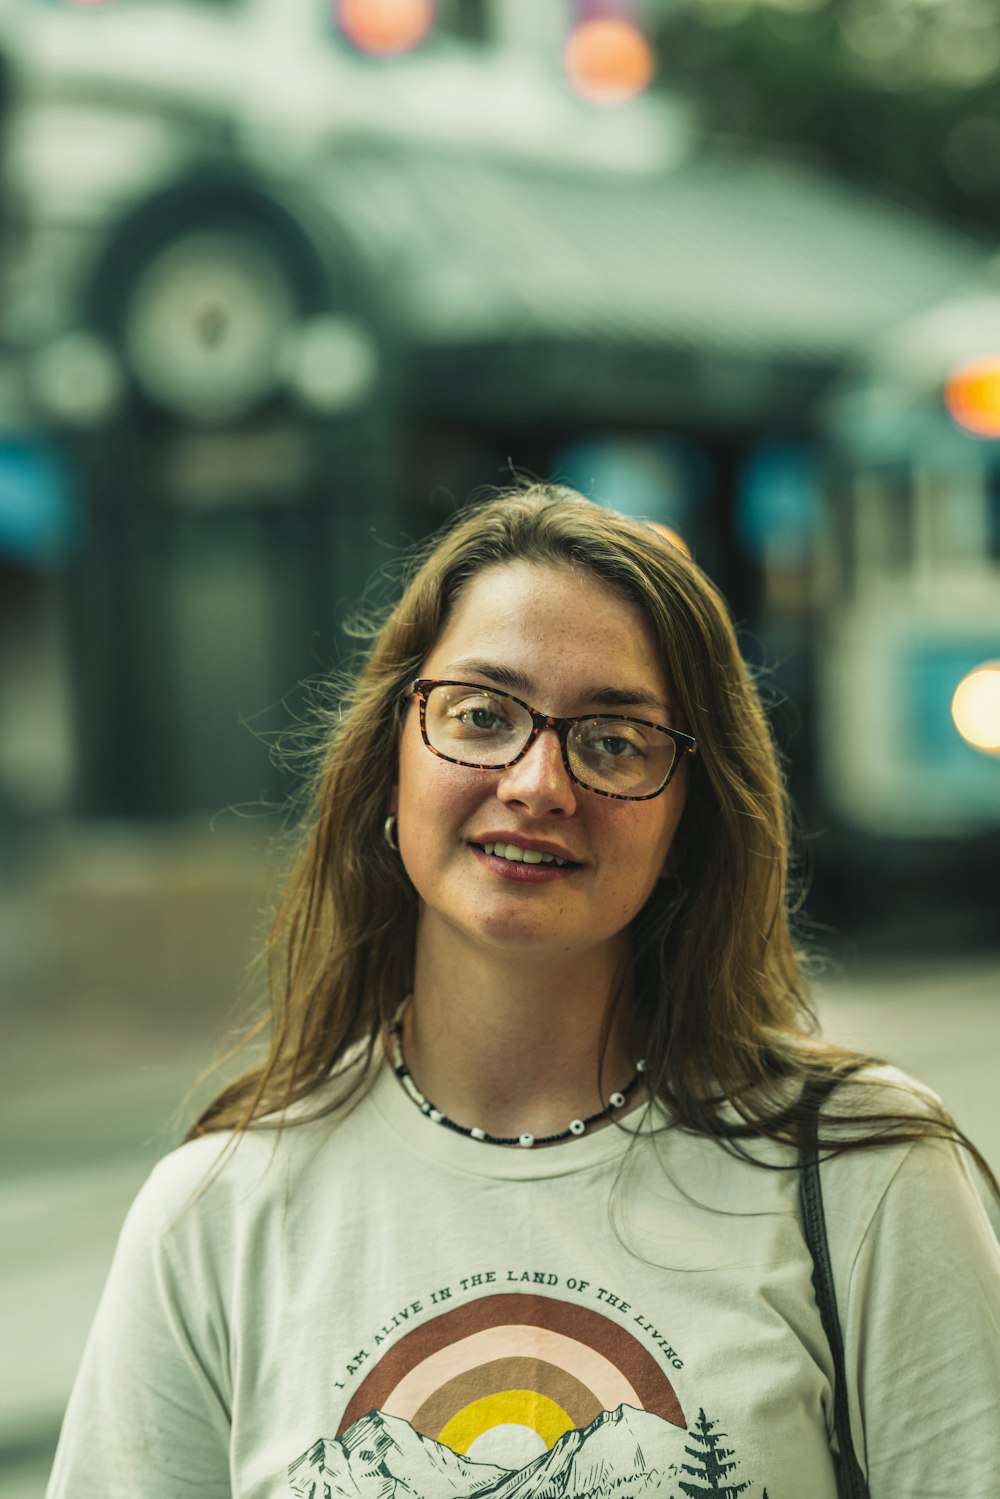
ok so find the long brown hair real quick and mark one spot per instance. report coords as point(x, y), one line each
point(718, 1003)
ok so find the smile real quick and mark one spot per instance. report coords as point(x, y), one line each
point(521, 855)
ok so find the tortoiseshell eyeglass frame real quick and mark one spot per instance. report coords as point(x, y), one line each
point(685, 743)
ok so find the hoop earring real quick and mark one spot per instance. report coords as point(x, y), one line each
point(389, 832)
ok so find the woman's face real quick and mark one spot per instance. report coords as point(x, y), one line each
point(562, 640)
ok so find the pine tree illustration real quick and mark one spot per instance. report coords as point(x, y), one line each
point(711, 1460)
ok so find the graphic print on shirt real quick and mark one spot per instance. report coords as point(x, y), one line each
point(517, 1395)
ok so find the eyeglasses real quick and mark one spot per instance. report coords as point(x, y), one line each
point(630, 759)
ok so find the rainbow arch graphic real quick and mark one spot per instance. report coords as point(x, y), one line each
point(501, 1379)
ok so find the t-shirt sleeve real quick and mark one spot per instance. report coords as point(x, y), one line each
point(922, 1332)
point(149, 1411)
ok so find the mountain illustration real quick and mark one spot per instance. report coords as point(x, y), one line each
point(625, 1452)
point(382, 1457)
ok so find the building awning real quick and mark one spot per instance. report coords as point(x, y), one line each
point(742, 254)
point(733, 262)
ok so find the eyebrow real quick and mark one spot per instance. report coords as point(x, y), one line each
point(599, 696)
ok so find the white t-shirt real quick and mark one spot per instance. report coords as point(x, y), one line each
point(373, 1305)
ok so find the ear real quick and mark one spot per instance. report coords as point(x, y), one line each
point(393, 804)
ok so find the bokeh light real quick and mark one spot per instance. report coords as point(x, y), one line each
point(608, 60)
point(972, 396)
point(975, 708)
point(385, 27)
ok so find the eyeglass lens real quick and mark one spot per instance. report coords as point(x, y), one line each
point(486, 728)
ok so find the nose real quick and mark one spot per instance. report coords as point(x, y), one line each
point(539, 782)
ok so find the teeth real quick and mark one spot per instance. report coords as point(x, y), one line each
point(522, 855)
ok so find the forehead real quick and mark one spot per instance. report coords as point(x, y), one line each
point(559, 625)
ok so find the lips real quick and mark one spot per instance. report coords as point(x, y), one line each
point(525, 851)
point(522, 855)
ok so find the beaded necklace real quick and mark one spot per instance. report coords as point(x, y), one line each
point(574, 1129)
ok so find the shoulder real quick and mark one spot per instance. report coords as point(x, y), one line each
point(902, 1171)
point(194, 1186)
point(879, 1121)
point(880, 1091)
point(227, 1163)
point(221, 1185)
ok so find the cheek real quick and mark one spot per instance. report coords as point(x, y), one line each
point(431, 793)
point(647, 846)
point(415, 763)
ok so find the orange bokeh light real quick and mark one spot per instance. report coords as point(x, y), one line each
point(972, 396)
point(608, 60)
point(385, 27)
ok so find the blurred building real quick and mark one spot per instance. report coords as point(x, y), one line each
point(910, 645)
point(276, 303)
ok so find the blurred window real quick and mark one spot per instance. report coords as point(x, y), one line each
point(125, 5)
point(655, 478)
point(841, 532)
point(136, 4)
point(897, 522)
point(778, 505)
point(468, 20)
point(993, 515)
point(884, 534)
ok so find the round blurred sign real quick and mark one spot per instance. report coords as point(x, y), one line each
point(77, 380)
point(332, 364)
point(206, 325)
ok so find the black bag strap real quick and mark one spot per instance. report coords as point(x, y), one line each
point(851, 1482)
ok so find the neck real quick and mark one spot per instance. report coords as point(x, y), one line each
point(510, 1043)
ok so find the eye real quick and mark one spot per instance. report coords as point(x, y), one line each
point(478, 713)
point(481, 718)
point(614, 741)
point(615, 745)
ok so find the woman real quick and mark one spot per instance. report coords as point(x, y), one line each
point(534, 1229)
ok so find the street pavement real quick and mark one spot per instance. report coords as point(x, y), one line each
point(86, 1108)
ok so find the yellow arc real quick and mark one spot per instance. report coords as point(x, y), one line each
point(506, 1407)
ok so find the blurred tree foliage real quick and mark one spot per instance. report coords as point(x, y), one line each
point(900, 94)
